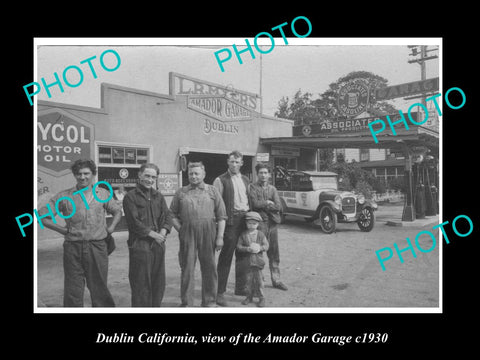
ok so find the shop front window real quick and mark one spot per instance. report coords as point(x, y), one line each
point(307, 160)
point(364, 154)
point(289, 163)
point(118, 165)
point(122, 155)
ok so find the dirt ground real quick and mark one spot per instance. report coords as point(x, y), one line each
point(321, 271)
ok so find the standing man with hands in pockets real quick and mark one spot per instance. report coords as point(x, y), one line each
point(149, 221)
point(233, 186)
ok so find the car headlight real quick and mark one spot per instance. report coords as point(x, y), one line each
point(361, 199)
point(338, 200)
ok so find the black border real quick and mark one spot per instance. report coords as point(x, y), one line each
point(63, 334)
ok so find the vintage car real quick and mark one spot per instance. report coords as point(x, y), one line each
point(315, 196)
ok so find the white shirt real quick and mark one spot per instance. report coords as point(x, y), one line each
point(240, 200)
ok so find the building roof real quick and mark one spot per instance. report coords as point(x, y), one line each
point(382, 163)
point(365, 141)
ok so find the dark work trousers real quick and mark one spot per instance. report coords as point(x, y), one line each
point(270, 229)
point(197, 238)
point(230, 239)
point(254, 283)
point(86, 261)
point(146, 272)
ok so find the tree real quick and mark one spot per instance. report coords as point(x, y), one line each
point(305, 110)
point(300, 109)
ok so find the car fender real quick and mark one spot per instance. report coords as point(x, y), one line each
point(369, 204)
point(335, 207)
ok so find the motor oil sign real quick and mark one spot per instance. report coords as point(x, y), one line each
point(62, 138)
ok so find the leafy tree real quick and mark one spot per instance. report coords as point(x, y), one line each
point(303, 109)
point(300, 109)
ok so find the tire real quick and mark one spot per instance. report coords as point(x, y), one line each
point(327, 219)
point(366, 220)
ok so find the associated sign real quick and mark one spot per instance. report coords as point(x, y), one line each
point(407, 89)
point(343, 126)
point(352, 98)
point(62, 138)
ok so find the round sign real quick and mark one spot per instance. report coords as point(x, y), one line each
point(123, 173)
point(353, 98)
point(306, 130)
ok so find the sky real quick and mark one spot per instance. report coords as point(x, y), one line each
point(308, 64)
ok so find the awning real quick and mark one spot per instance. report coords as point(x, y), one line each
point(416, 137)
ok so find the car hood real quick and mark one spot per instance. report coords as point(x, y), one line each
point(331, 194)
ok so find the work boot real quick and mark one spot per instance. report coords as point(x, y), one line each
point(261, 302)
point(221, 300)
point(247, 300)
point(280, 285)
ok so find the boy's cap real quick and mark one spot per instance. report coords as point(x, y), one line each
point(253, 215)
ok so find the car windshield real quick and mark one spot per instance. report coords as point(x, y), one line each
point(324, 182)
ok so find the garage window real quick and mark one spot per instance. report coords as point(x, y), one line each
point(122, 155)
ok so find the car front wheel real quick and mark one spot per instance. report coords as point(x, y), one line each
point(327, 219)
point(366, 220)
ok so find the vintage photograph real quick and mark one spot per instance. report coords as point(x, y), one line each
point(301, 178)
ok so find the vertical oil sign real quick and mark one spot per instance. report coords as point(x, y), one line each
point(62, 138)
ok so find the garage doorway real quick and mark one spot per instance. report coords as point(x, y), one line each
point(215, 165)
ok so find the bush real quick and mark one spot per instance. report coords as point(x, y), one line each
point(353, 177)
point(397, 184)
point(365, 188)
point(378, 185)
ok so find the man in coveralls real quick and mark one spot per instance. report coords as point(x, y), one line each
point(149, 221)
point(199, 217)
point(85, 257)
point(233, 186)
point(264, 199)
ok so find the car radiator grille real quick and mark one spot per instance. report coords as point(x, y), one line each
point(348, 205)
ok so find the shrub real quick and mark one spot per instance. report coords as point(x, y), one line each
point(397, 184)
point(365, 188)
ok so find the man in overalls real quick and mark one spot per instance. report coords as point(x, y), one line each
point(199, 217)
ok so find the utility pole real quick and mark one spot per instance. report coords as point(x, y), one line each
point(261, 99)
point(423, 57)
point(410, 213)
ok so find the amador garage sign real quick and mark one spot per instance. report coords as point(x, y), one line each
point(218, 108)
point(62, 138)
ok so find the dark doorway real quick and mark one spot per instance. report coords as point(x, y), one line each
point(215, 165)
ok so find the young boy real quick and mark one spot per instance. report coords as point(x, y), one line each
point(253, 241)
